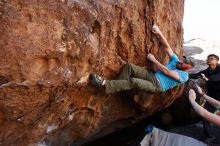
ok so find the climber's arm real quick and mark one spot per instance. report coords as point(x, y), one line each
point(163, 40)
point(201, 111)
point(163, 68)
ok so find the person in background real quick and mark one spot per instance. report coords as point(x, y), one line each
point(213, 68)
point(212, 77)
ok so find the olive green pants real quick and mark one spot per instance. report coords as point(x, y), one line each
point(133, 76)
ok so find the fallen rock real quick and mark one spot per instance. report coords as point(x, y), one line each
point(48, 49)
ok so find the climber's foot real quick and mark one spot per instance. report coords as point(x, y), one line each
point(97, 80)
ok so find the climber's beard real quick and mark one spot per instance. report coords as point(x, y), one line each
point(183, 66)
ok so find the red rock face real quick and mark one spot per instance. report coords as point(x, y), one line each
point(49, 48)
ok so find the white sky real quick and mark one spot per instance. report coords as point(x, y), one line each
point(202, 20)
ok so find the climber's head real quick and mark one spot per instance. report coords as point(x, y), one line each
point(185, 64)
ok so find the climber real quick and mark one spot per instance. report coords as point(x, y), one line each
point(133, 76)
point(213, 118)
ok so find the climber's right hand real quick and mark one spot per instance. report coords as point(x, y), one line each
point(155, 29)
point(151, 57)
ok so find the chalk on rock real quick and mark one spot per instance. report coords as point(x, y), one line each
point(51, 128)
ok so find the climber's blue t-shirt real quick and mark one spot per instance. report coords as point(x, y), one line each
point(167, 82)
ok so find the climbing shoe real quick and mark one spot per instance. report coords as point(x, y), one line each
point(97, 80)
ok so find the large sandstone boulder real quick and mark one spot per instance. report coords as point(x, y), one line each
point(49, 48)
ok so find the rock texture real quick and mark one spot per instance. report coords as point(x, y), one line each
point(49, 48)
